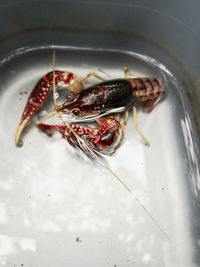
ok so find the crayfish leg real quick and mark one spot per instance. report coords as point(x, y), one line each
point(94, 74)
point(116, 116)
point(147, 143)
point(124, 124)
point(127, 71)
point(126, 113)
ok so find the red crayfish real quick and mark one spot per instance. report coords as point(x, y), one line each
point(91, 103)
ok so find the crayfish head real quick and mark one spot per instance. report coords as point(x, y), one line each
point(76, 110)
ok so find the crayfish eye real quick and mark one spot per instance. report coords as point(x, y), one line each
point(76, 111)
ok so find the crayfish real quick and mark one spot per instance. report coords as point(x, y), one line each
point(93, 103)
point(90, 104)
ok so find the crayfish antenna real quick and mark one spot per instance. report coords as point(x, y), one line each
point(104, 72)
point(54, 80)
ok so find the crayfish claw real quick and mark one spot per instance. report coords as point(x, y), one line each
point(18, 133)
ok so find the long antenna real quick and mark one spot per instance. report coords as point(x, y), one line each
point(115, 176)
point(54, 80)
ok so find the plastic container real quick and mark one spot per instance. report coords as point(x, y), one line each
point(58, 208)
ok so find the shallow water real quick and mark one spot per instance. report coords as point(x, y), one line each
point(57, 206)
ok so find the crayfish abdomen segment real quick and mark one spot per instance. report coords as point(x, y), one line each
point(148, 89)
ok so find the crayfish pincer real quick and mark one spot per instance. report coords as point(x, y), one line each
point(39, 95)
point(99, 139)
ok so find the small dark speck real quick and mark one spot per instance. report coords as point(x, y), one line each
point(29, 196)
point(20, 99)
point(48, 195)
point(25, 92)
point(163, 188)
point(115, 265)
point(78, 239)
point(22, 264)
